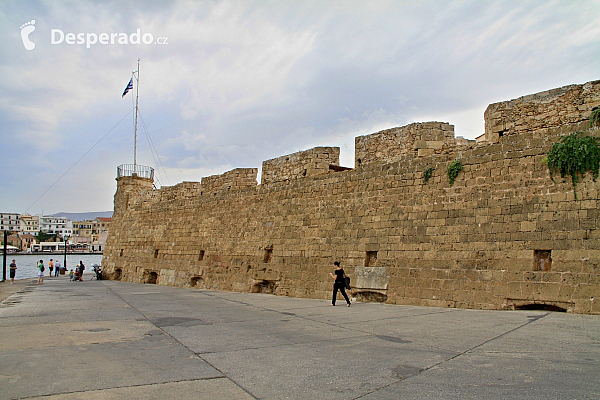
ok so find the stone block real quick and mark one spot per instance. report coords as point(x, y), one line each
point(435, 145)
point(425, 152)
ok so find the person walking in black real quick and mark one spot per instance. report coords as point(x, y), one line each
point(339, 284)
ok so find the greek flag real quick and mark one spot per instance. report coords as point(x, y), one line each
point(128, 88)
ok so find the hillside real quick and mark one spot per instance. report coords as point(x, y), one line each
point(84, 216)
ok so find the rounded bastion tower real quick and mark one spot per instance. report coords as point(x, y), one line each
point(133, 181)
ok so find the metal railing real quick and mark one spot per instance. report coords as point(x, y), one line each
point(141, 171)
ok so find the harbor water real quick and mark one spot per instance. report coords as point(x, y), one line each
point(27, 263)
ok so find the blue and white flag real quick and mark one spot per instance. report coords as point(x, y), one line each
point(128, 88)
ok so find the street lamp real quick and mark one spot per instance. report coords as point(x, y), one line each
point(65, 263)
point(4, 256)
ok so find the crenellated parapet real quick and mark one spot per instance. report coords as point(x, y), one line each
point(183, 190)
point(315, 161)
point(502, 235)
point(555, 108)
point(414, 140)
point(239, 178)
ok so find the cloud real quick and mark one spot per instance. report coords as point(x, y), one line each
point(240, 82)
point(246, 61)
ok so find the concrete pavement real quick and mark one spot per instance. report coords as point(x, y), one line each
point(115, 340)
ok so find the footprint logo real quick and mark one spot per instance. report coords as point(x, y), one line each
point(26, 29)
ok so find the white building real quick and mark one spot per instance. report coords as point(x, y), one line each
point(10, 222)
point(56, 225)
point(49, 246)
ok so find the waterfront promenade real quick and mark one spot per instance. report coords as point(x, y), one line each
point(114, 340)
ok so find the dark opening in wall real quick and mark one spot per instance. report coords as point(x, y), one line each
point(541, 307)
point(201, 255)
point(151, 278)
point(196, 281)
point(371, 297)
point(155, 253)
point(338, 168)
point(121, 253)
point(264, 286)
point(268, 255)
point(542, 260)
point(117, 274)
point(371, 259)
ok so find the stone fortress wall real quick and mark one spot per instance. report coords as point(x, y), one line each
point(504, 236)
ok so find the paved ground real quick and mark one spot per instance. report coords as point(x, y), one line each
point(114, 340)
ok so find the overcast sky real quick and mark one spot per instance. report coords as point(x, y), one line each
point(235, 83)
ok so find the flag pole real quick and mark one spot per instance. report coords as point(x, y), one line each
point(137, 94)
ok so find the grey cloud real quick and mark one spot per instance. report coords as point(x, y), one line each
point(241, 82)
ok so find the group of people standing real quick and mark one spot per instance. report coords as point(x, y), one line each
point(53, 266)
point(77, 275)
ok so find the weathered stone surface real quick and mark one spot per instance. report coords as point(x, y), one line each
point(299, 165)
point(503, 236)
point(371, 278)
point(556, 108)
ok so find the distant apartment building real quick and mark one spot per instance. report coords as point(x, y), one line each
point(82, 231)
point(27, 241)
point(90, 234)
point(100, 228)
point(30, 224)
point(10, 222)
point(56, 225)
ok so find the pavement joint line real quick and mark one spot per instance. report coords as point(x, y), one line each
point(187, 348)
point(432, 312)
point(365, 333)
point(531, 320)
point(295, 316)
point(435, 312)
point(37, 396)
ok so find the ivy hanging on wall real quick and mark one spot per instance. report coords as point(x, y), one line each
point(453, 170)
point(427, 174)
point(575, 155)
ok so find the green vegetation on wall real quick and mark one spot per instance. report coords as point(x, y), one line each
point(427, 174)
point(595, 117)
point(575, 155)
point(453, 170)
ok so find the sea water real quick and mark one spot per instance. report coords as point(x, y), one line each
point(27, 263)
